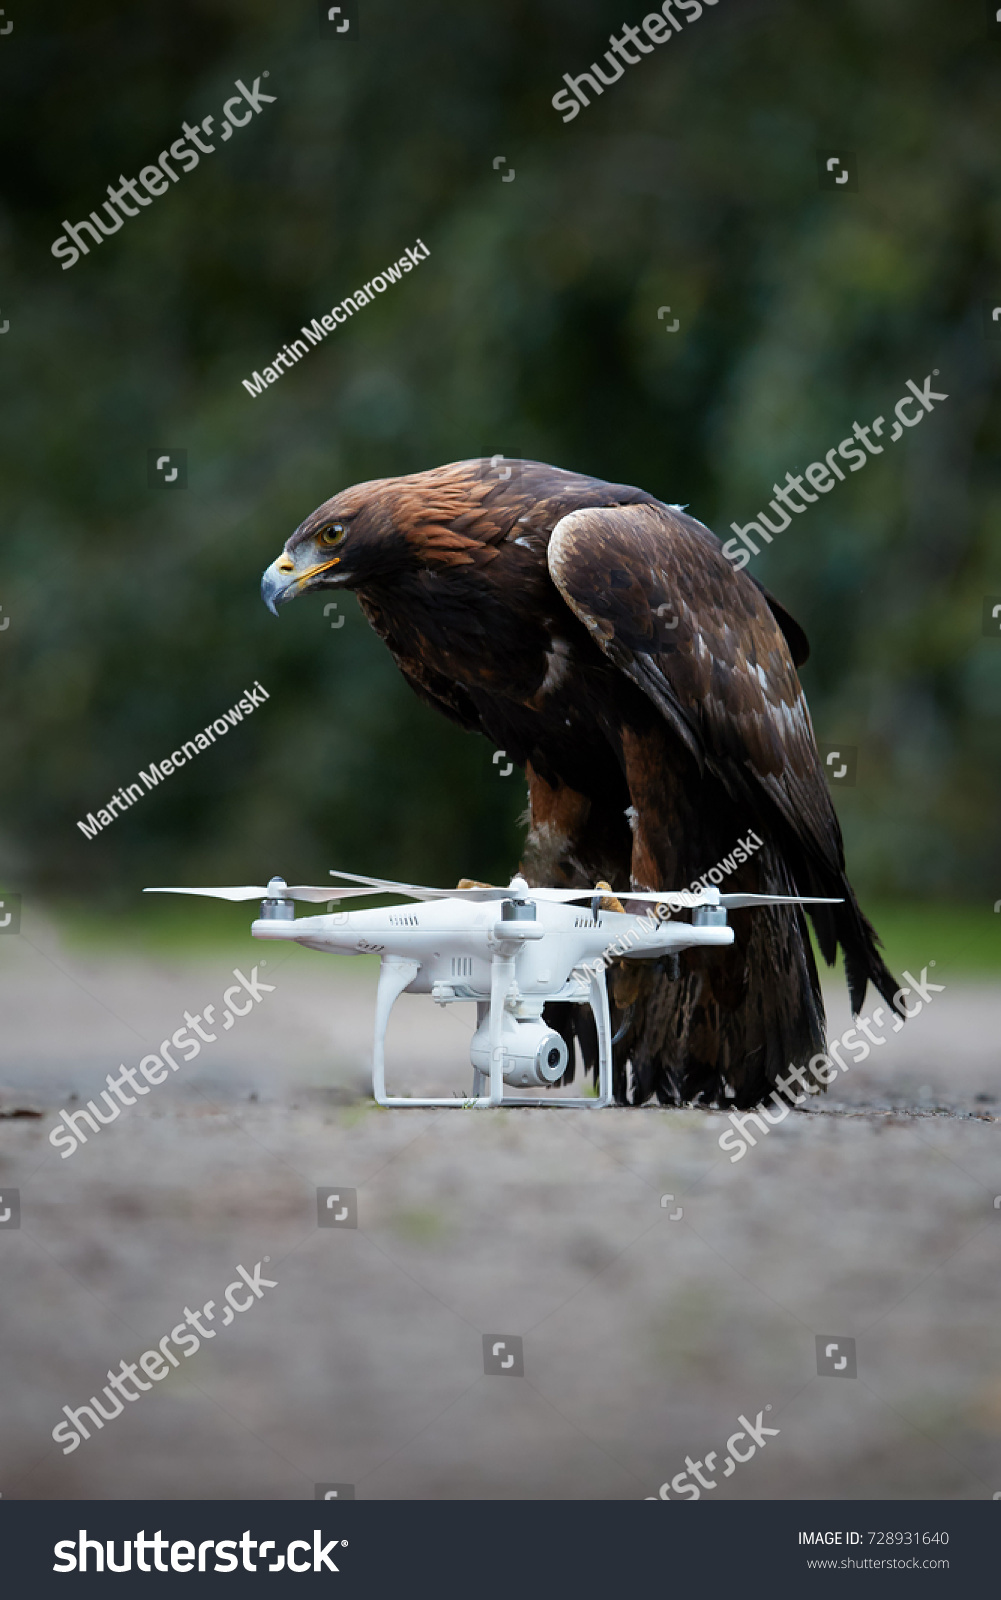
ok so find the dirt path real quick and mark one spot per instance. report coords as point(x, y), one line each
point(646, 1334)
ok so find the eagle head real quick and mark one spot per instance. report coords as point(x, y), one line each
point(349, 541)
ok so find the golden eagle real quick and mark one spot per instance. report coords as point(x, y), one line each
point(650, 692)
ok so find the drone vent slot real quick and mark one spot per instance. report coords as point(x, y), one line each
point(462, 966)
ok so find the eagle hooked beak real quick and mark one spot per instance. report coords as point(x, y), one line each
point(283, 580)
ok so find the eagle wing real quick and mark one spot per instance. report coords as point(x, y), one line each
point(659, 598)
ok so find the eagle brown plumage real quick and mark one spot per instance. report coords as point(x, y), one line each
point(650, 692)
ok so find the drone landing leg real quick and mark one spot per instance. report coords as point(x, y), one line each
point(480, 1079)
point(603, 1023)
point(394, 975)
point(501, 979)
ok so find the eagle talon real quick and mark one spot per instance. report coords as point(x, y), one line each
point(607, 902)
point(624, 1025)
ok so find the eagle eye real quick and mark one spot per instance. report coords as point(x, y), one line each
point(334, 534)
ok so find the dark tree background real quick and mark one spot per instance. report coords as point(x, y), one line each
point(134, 615)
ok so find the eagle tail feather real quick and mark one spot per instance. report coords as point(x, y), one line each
point(861, 944)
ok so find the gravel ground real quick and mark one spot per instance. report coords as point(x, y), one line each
point(646, 1333)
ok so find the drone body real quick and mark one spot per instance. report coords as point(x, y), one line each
point(513, 951)
point(535, 951)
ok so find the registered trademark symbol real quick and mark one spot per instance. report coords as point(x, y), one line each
point(344, 1542)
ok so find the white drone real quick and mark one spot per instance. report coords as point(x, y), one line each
point(546, 946)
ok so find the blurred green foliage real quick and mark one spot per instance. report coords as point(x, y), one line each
point(532, 329)
point(964, 941)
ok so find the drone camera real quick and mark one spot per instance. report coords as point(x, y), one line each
point(549, 1064)
point(534, 1055)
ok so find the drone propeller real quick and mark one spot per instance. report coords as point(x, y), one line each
point(365, 886)
point(423, 891)
point(678, 897)
point(732, 902)
point(516, 889)
point(735, 902)
point(276, 890)
point(417, 891)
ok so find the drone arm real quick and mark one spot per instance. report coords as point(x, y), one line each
point(394, 976)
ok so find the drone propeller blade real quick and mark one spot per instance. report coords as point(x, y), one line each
point(245, 891)
point(675, 898)
point(735, 902)
point(421, 891)
point(680, 897)
point(562, 895)
point(390, 886)
point(481, 896)
point(317, 893)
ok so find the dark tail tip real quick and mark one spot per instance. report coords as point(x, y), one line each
point(863, 963)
